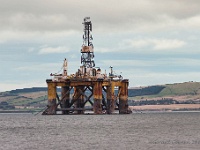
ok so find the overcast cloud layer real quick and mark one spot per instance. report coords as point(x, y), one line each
point(148, 41)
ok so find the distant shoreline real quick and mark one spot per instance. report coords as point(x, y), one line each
point(172, 107)
point(142, 108)
point(16, 111)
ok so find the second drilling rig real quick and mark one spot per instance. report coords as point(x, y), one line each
point(88, 89)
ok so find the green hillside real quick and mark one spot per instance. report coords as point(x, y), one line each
point(177, 91)
point(26, 100)
point(188, 88)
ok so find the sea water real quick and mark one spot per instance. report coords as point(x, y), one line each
point(137, 131)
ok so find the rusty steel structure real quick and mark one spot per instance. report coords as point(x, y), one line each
point(88, 90)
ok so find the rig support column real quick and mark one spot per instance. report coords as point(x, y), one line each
point(52, 99)
point(97, 93)
point(123, 97)
point(79, 99)
point(110, 99)
point(65, 96)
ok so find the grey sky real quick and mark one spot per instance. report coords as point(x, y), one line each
point(45, 15)
point(149, 41)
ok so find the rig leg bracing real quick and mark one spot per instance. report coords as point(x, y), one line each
point(79, 97)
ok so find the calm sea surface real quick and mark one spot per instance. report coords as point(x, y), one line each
point(138, 131)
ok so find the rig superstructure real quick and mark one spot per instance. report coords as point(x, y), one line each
point(88, 88)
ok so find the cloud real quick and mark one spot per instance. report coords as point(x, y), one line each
point(157, 44)
point(137, 15)
point(147, 44)
point(34, 36)
point(53, 50)
point(168, 44)
point(104, 50)
point(157, 78)
point(128, 63)
point(157, 62)
point(47, 68)
point(48, 22)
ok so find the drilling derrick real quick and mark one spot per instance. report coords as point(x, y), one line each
point(87, 47)
point(88, 86)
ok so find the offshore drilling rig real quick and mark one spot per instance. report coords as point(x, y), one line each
point(87, 89)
